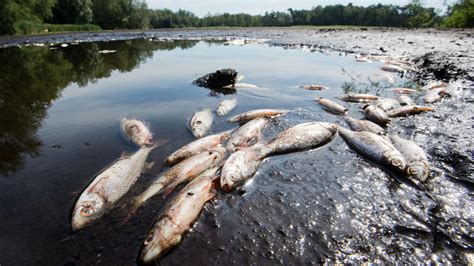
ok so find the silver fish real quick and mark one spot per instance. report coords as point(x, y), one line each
point(240, 85)
point(405, 100)
point(392, 68)
point(403, 90)
point(375, 148)
point(197, 146)
point(418, 165)
point(388, 104)
point(178, 216)
point(108, 187)
point(359, 98)
point(408, 110)
point(364, 125)
point(247, 135)
point(376, 115)
point(181, 172)
point(226, 106)
point(313, 87)
point(247, 116)
point(239, 167)
point(136, 131)
point(332, 106)
point(300, 137)
point(201, 123)
point(434, 95)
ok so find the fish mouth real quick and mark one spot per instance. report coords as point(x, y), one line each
point(148, 256)
point(226, 184)
point(226, 188)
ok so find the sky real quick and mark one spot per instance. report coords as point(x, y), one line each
point(254, 7)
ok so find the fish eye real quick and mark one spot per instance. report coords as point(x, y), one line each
point(234, 177)
point(413, 171)
point(396, 162)
point(148, 239)
point(87, 211)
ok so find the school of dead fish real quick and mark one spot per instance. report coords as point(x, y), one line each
point(226, 160)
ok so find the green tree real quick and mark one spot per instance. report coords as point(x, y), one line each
point(460, 15)
point(21, 15)
point(73, 12)
point(419, 16)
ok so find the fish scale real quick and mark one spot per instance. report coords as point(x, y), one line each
point(108, 187)
point(300, 137)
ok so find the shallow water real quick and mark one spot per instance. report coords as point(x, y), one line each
point(60, 110)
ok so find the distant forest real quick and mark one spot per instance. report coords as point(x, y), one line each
point(35, 16)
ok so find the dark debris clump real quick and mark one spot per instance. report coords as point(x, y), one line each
point(437, 66)
point(219, 79)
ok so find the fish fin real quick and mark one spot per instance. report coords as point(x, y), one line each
point(158, 143)
point(123, 155)
point(148, 166)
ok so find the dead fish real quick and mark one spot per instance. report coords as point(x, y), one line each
point(247, 135)
point(418, 165)
point(107, 51)
point(300, 137)
point(374, 147)
point(313, 87)
point(388, 104)
point(434, 95)
point(403, 90)
point(332, 106)
point(226, 106)
point(197, 146)
point(240, 85)
point(376, 114)
point(405, 100)
point(392, 68)
point(351, 97)
point(363, 58)
point(201, 123)
point(247, 116)
point(181, 172)
point(239, 167)
point(364, 125)
point(435, 85)
point(177, 217)
point(136, 131)
point(109, 186)
point(408, 110)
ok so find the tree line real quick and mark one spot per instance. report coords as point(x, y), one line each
point(22, 16)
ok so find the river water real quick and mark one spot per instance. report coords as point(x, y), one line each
point(60, 109)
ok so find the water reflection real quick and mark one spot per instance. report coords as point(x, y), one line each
point(32, 78)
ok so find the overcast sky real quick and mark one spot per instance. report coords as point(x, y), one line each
point(202, 7)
